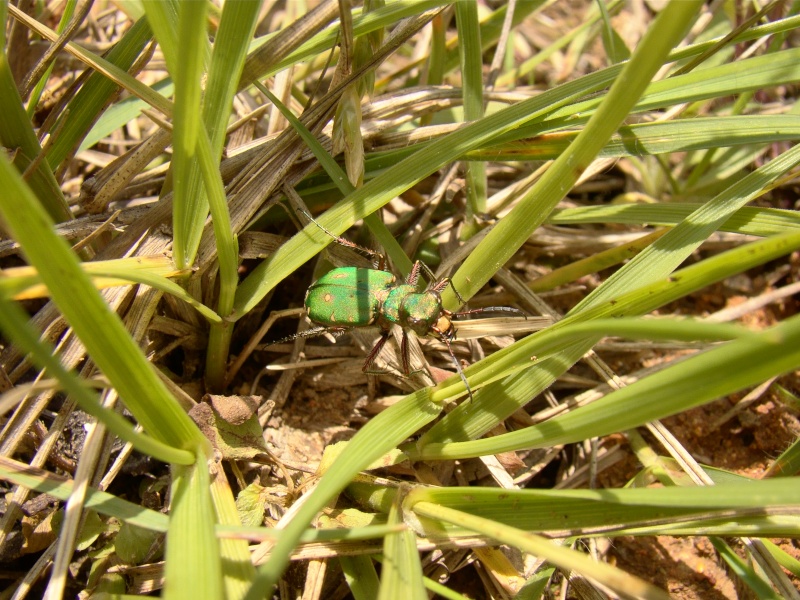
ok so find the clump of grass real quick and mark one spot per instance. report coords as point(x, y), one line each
point(171, 163)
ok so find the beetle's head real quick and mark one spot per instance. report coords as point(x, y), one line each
point(444, 327)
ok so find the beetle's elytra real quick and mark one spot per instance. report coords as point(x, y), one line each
point(348, 296)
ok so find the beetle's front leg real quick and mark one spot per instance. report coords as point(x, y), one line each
point(440, 285)
point(405, 354)
point(413, 276)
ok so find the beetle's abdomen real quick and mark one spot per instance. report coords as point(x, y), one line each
point(348, 296)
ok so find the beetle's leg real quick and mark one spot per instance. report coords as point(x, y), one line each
point(309, 333)
point(439, 286)
point(376, 349)
point(365, 252)
point(428, 273)
point(455, 291)
point(435, 285)
point(404, 354)
point(413, 276)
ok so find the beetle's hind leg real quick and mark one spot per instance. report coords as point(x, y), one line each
point(365, 252)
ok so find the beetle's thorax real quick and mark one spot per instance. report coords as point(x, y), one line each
point(390, 308)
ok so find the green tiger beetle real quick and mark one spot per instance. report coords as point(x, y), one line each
point(349, 297)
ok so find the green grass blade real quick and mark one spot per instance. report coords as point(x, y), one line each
point(90, 101)
point(121, 113)
point(14, 323)
point(511, 232)
point(748, 220)
point(194, 162)
point(123, 271)
point(236, 27)
point(788, 463)
point(163, 19)
point(622, 511)
point(101, 331)
point(192, 565)
point(692, 382)
point(500, 399)
point(199, 137)
point(16, 131)
point(656, 138)
point(401, 572)
point(228, 255)
point(471, 59)
point(491, 28)
point(567, 559)
point(178, 31)
point(788, 562)
point(445, 592)
point(231, 43)
point(362, 579)
point(744, 571)
point(103, 502)
point(712, 82)
point(758, 72)
point(615, 47)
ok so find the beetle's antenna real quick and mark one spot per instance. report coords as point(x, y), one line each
point(458, 366)
point(491, 309)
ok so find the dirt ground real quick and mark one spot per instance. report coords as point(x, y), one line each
point(687, 567)
point(741, 434)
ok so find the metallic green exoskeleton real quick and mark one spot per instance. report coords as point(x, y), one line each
point(350, 297)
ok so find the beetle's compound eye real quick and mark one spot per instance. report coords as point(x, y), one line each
point(419, 325)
